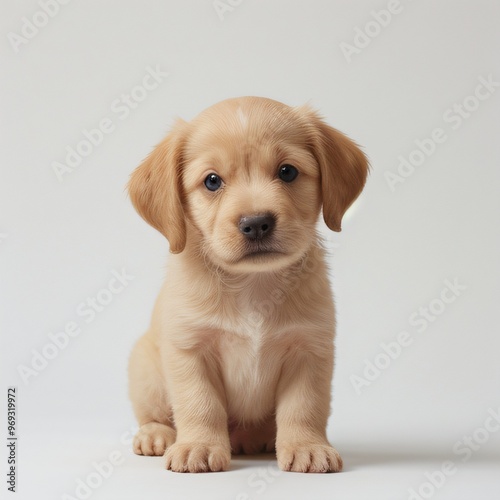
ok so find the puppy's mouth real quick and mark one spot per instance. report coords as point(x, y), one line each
point(260, 251)
point(260, 254)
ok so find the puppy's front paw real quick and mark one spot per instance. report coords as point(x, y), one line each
point(309, 457)
point(153, 439)
point(197, 457)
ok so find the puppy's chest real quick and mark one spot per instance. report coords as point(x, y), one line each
point(251, 312)
point(250, 354)
point(250, 367)
point(241, 356)
point(245, 343)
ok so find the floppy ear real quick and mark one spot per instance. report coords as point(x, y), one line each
point(155, 189)
point(343, 168)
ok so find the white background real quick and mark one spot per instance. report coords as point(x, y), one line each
point(60, 241)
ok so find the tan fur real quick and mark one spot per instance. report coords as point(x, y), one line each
point(239, 354)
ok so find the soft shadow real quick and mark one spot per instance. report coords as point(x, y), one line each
point(360, 456)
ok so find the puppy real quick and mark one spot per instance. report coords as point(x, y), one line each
point(239, 354)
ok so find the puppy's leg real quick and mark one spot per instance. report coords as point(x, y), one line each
point(303, 404)
point(200, 415)
point(149, 397)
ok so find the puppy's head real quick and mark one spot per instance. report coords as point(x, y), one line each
point(244, 183)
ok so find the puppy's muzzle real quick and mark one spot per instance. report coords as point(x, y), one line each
point(257, 227)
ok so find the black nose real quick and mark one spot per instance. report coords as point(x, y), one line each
point(257, 227)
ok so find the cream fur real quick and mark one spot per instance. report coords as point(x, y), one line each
point(239, 354)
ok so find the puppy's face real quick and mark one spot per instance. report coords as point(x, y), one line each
point(245, 181)
point(251, 186)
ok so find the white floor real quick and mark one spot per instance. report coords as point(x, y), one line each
point(56, 466)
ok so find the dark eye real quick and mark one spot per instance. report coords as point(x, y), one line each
point(213, 182)
point(288, 173)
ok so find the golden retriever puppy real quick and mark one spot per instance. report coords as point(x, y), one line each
point(239, 354)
